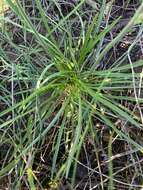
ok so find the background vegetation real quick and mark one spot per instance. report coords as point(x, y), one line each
point(71, 95)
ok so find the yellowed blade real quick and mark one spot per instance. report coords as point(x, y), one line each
point(3, 7)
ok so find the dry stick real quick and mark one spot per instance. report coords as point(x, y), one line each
point(131, 23)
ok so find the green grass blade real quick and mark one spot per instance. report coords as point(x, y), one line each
point(73, 147)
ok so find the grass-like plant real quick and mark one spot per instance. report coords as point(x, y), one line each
point(56, 85)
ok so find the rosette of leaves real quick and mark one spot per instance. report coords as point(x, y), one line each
point(57, 84)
